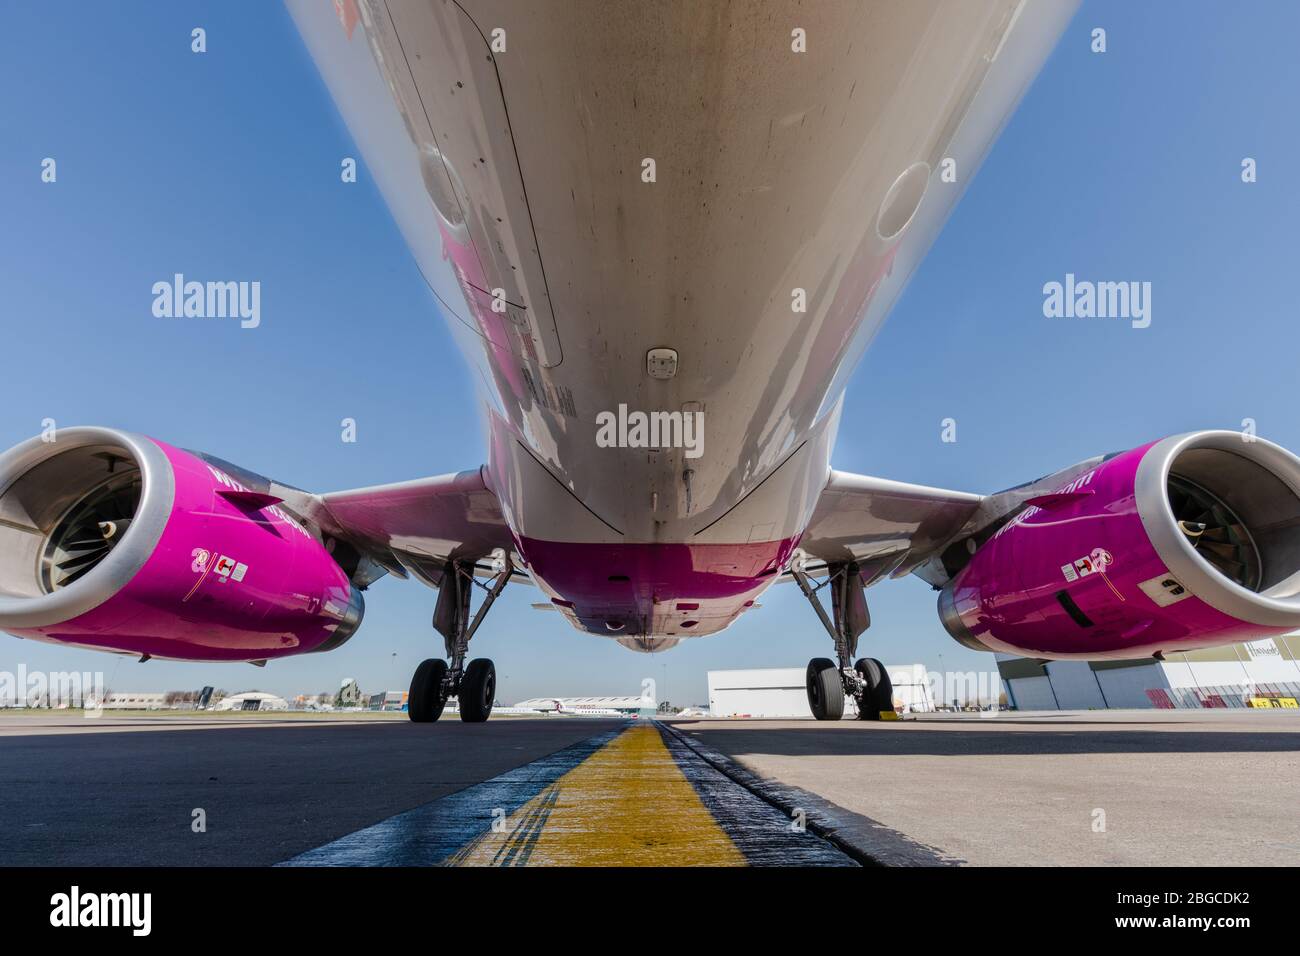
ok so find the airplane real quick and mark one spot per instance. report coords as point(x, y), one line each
point(663, 234)
point(565, 710)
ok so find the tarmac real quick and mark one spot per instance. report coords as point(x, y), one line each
point(1099, 788)
point(1089, 788)
point(123, 791)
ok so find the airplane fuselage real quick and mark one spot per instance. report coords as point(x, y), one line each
point(745, 188)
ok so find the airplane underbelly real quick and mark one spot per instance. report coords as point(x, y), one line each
point(677, 209)
point(739, 183)
point(633, 591)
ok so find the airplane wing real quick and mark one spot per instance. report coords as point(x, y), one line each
point(892, 529)
point(412, 528)
point(888, 527)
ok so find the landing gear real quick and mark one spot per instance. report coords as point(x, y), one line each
point(825, 689)
point(830, 681)
point(478, 690)
point(877, 691)
point(435, 681)
point(425, 702)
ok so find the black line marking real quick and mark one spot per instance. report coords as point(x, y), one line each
point(759, 830)
point(863, 839)
point(524, 839)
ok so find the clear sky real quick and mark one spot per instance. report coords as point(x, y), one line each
point(1122, 165)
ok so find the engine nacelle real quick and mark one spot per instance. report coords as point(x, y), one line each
point(1191, 541)
point(114, 541)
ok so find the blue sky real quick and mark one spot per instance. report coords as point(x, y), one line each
point(1124, 165)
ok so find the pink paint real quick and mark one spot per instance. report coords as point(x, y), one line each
point(292, 599)
point(496, 327)
point(1007, 596)
point(654, 589)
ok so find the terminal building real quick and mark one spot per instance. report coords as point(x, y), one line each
point(592, 706)
point(1264, 673)
point(781, 692)
point(252, 700)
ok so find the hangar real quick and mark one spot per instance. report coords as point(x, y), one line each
point(781, 692)
point(252, 700)
point(1264, 673)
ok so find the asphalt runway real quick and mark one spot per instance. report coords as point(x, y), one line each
point(122, 791)
point(378, 791)
point(1091, 788)
point(1096, 788)
point(638, 795)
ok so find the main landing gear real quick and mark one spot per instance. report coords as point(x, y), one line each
point(435, 680)
point(829, 681)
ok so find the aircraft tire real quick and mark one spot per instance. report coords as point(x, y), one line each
point(425, 701)
point(478, 689)
point(879, 693)
point(825, 689)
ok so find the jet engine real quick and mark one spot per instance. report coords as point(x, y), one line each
point(1187, 542)
point(115, 541)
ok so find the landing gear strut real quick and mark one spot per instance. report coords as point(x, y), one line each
point(436, 680)
point(830, 681)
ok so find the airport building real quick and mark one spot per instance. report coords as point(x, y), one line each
point(135, 700)
point(630, 706)
point(252, 700)
point(782, 692)
point(1263, 673)
point(388, 700)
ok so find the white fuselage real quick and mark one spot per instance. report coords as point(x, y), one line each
point(749, 185)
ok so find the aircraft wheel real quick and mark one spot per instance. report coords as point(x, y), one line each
point(879, 693)
point(478, 688)
point(825, 689)
point(425, 702)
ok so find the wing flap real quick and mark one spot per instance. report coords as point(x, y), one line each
point(889, 527)
point(412, 527)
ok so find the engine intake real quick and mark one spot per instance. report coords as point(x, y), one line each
point(1224, 514)
point(115, 541)
point(1191, 541)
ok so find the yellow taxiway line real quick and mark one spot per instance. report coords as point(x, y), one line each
point(598, 814)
